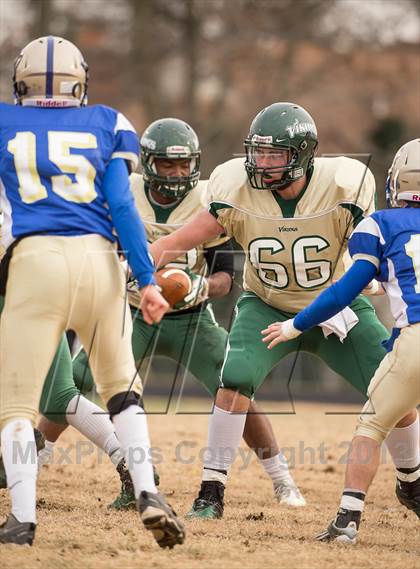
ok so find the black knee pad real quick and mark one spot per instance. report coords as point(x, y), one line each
point(122, 401)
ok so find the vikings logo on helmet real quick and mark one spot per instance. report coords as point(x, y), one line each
point(50, 72)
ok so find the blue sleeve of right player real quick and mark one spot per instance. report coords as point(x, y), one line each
point(127, 221)
point(366, 242)
point(337, 296)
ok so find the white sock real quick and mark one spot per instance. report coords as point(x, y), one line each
point(353, 499)
point(225, 434)
point(403, 445)
point(133, 434)
point(90, 420)
point(45, 455)
point(276, 467)
point(20, 462)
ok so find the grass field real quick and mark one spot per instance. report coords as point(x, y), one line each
point(76, 529)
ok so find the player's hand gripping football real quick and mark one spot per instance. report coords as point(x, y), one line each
point(153, 306)
point(279, 332)
point(199, 291)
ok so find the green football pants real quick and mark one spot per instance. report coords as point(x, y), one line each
point(248, 360)
point(194, 340)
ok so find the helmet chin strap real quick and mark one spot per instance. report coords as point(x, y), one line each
point(276, 184)
point(160, 204)
point(283, 187)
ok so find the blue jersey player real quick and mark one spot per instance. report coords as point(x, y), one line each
point(65, 195)
point(385, 246)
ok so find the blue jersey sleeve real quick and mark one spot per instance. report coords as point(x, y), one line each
point(127, 222)
point(337, 296)
point(366, 242)
point(126, 142)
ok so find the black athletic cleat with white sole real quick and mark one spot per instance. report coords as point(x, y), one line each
point(408, 494)
point(159, 518)
point(14, 531)
point(343, 529)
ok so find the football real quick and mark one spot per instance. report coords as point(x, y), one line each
point(174, 284)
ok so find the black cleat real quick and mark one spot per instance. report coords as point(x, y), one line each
point(343, 529)
point(13, 531)
point(209, 504)
point(126, 499)
point(408, 494)
point(159, 518)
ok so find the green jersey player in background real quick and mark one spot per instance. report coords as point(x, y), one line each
point(292, 214)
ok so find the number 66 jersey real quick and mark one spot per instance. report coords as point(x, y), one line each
point(293, 247)
point(52, 162)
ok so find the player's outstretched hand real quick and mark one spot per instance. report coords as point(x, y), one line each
point(279, 332)
point(273, 335)
point(153, 306)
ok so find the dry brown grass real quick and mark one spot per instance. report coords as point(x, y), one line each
point(76, 530)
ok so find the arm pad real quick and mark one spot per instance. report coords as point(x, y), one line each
point(220, 258)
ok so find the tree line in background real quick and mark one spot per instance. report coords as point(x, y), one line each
point(215, 63)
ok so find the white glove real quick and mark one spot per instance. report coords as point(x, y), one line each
point(199, 292)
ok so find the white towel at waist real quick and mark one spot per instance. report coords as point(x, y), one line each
point(340, 324)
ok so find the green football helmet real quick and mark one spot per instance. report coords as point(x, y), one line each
point(284, 126)
point(171, 139)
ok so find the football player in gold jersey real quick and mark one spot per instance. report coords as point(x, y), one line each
point(292, 214)
point(168, 194)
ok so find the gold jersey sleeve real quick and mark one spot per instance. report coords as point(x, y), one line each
point(194, 202)
point(290, 260)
